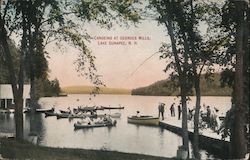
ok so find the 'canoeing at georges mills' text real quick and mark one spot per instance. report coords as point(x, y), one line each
point(120, 40)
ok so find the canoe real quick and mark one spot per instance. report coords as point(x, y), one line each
point(113, 107)
point(114, 115)
point(79, 115)
point(42, 110)
point(62, 115)
point(87, 109)
point(47, 114)
point(95, 125)
point(62, 111)
point(143, 120)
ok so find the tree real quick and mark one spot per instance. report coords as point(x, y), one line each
point(38, 22)
point(235, 56)
point(169, 14)
point(17, 86)
point(238, 139)
point(191, 53)
point(232, 44)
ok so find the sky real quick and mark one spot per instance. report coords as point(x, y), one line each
point(117, 63)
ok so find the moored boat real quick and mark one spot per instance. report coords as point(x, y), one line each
point(42, 110)
point(87, 109)
point(113, 115)
point(62, 111)
point(79, 115)
point(62, 115)
point(113, 107)
point(143, 120)
point(47, 114)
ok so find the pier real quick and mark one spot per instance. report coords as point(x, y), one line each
point(208, 139)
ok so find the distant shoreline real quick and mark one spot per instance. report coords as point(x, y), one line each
point(91, 90)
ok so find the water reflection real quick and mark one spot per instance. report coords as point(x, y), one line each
point(123, 137)
point(161, 135)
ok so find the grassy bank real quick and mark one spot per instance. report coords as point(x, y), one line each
point(89, 89)
point(11, 149)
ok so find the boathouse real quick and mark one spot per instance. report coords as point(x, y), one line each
point(6, 96)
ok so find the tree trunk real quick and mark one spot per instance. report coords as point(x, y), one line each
point(182, 81)
point(33, 106)
point(184, 115)
point(19, 118)
point(17, 91)
point(238, 141)
point(196, 117)
point(33, 94)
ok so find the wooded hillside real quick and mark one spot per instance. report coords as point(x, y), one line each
point(209, 87)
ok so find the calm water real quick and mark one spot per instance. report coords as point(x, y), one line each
point(124, 137)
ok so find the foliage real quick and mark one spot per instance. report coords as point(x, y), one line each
point(49, 88)
point(46, 21)
point(4, 75)
point(226, 125)
point(169, 87)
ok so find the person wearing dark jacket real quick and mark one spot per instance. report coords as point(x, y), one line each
point(172, 110)
point(179, 112)
point(161, 110)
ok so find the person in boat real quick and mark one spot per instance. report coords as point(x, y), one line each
point(172, 110)
point(69, 110)
point(137, 113)
point(161, 109)
point(89, 121)
point(107, 119)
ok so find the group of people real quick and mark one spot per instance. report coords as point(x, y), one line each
point(161, 109)
point(209, 116)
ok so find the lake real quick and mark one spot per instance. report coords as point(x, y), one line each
point(124, 137)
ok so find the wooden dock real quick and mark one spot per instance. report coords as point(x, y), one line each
point(213, 145)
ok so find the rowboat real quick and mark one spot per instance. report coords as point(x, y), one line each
point(79, 125)
point(143, 120)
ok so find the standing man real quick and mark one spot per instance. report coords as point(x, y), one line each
point(161, 110)
point(172, 110)
point(179, 112)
